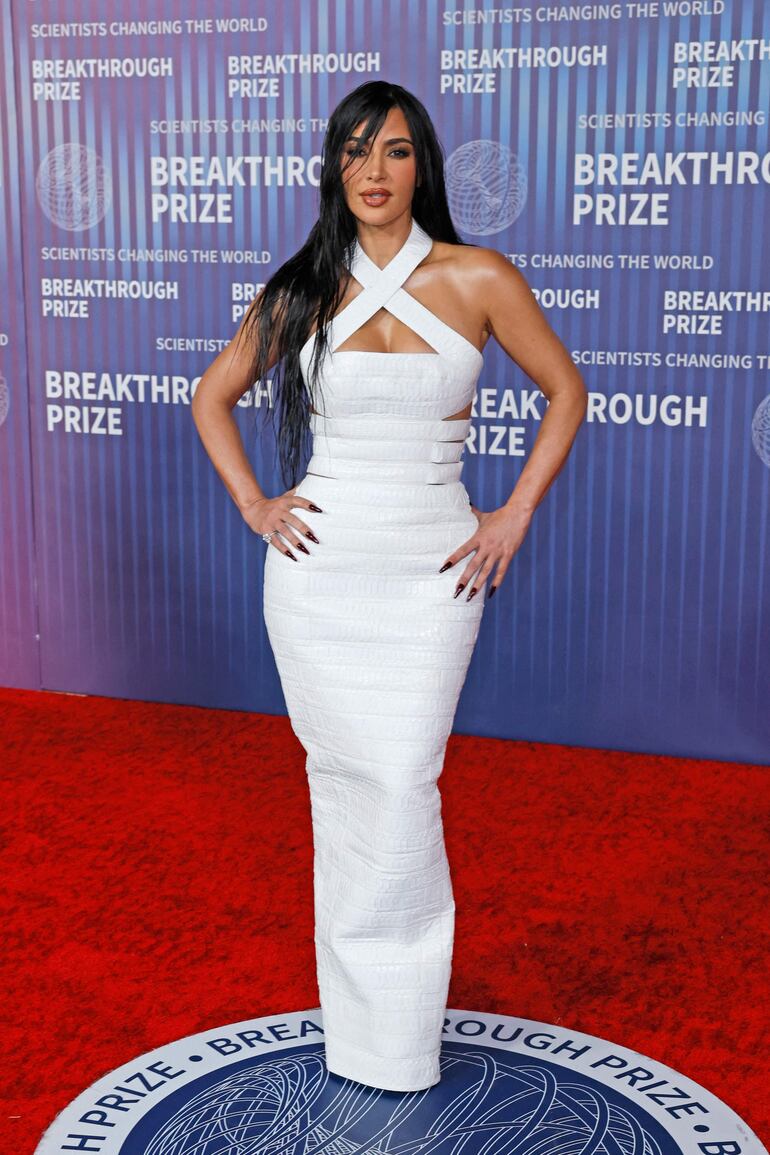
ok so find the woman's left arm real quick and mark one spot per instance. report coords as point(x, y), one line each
point(518, 324)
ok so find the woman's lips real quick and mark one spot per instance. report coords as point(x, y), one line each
point(376, 198)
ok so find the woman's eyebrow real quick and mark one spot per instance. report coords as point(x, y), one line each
point(392, 140)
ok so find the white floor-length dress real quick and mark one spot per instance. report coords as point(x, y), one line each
point(372, 651)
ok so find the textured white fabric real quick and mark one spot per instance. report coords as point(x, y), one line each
point(372, 651)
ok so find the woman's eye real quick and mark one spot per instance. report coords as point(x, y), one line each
point(355, 151)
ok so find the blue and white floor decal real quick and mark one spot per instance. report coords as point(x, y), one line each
point(509, 1086)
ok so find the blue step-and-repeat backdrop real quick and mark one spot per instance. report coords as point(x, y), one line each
point(160, 160)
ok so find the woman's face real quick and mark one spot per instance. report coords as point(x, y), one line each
point(386, 163)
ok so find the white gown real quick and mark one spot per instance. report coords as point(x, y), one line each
point(372, 650)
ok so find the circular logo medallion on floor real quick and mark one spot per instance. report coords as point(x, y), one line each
point(507, 1086)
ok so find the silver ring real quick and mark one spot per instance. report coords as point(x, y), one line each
point(266, 536)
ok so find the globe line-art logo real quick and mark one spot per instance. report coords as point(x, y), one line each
point(5, 399)
point(760, 430)
point(486, 187)
point(509, 1086)
point(74, 187)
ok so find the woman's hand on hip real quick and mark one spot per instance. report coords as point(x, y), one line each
point(499, 535)
point(273, 515)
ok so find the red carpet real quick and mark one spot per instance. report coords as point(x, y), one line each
point(157, 869)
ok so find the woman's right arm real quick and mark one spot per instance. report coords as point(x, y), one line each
point(217, 393)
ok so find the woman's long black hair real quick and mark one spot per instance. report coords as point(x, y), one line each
point(309, 286)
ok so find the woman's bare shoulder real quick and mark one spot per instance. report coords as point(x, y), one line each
point(479, 273)
point(471, 259)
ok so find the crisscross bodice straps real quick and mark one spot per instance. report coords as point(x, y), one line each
point(382, 289)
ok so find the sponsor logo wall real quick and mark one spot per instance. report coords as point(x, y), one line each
point(157, 168)
point(19, 651)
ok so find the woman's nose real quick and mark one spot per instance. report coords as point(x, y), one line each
point(374, 166)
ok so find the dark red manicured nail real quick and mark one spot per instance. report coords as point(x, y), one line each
point(491, 593)
point(312, 536)
point(459, 590)
point(446, 565)
point(316, 508)
point(290, 554)
point(471, 594)
point(303, 548)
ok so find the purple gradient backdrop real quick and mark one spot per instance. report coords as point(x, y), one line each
point(635, 614)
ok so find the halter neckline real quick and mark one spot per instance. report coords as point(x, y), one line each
point(382, 288)
point(417, 245)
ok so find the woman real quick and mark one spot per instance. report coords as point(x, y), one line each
point(378, 323)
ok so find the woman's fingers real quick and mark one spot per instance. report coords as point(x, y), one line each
point(286, 533)
point(479, 567)
point(280, 545)
point(502, 568)
point(292, 538)
point(467, 575)
point(292, 519)
point(481, 576)
point(461, 552)
point(470, 544)
point(306, 503)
